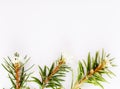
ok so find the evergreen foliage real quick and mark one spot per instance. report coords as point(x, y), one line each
point(53, 76)
point(92, 70)
point(16, 71)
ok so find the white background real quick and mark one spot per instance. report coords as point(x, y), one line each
point(45, 28)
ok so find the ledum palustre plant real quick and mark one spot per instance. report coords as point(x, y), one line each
point(17, 73)
point(53, 76)
point(90, 70)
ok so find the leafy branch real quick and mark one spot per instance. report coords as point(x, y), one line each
point(52, 77)
point(92, 70)
point(16, 71)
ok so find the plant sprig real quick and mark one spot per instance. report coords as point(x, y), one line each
point(16, 71)
point(92, 70)
point(53, 76)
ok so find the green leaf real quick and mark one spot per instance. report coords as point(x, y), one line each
point(81, 71)
point(50, 71)
point(13, 83)
point(37, 81)
point(89, 63)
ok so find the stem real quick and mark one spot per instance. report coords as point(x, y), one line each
point(17, 69)
point(43, 87)
point(72, 79)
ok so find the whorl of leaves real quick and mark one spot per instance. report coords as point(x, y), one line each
point(92, 70)
point(53, 76)
point(23, 76)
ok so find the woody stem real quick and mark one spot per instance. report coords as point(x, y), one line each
point(17, 78)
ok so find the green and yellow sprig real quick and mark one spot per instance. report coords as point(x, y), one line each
point(16, 71)
point(92, 70)
point(53, 76)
